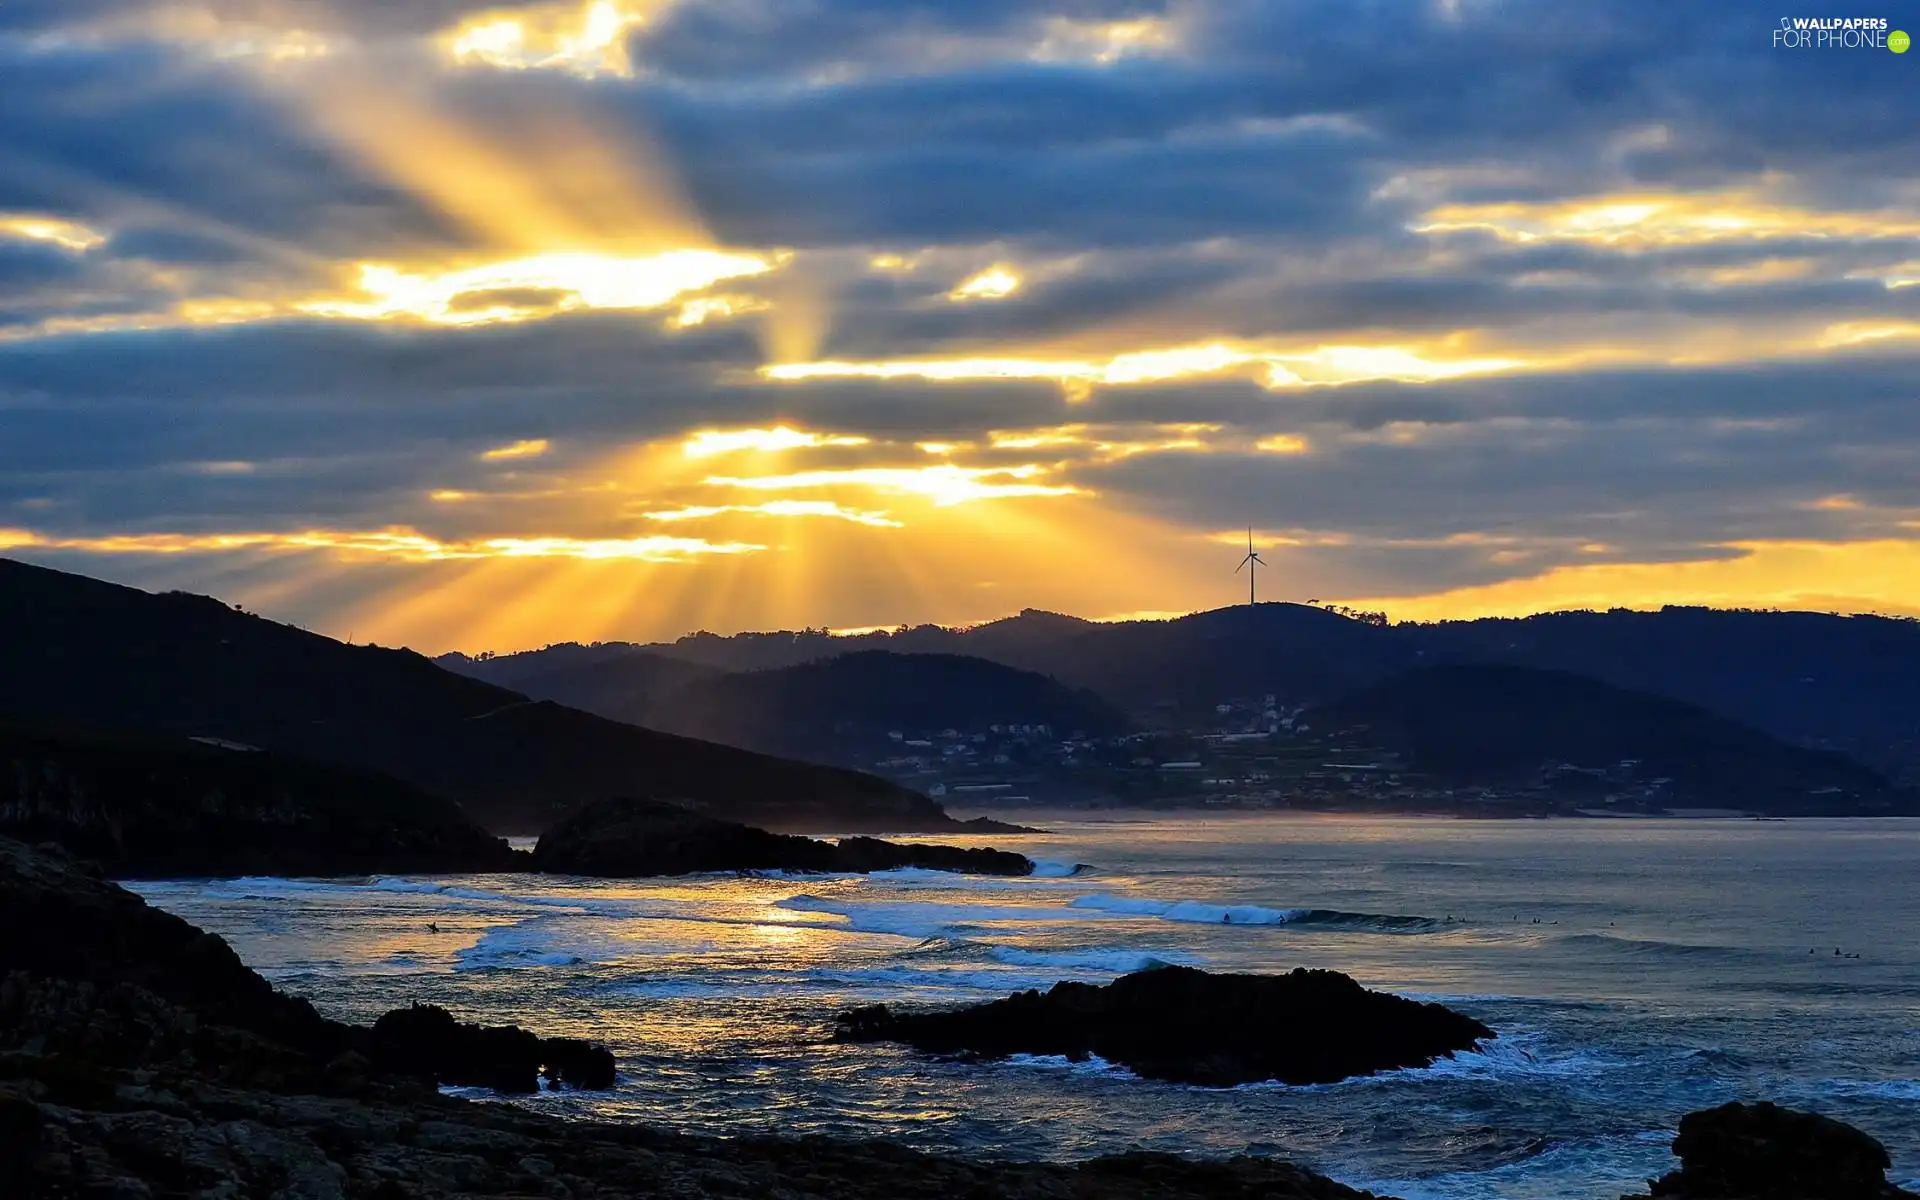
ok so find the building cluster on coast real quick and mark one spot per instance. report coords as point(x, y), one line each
point(1240, 754)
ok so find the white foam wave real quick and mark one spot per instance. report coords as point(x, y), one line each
point(1568, 1168)
point(1514, 1056)
point(914, 919)
point(1188, 910)
point(540, 942)
point(1118, 962)
point(1047, 869)
point(1880, 1089)
point(1093, 1064)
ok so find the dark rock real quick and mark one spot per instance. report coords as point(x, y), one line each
point(426, 1040)
point(19, 1140)
point(872, 854)
point(60, 919)
point(1765, 1152)
point(632, 837)
point(157, 1096)
point(576, 1062)
point(1189, 1026)
point(149, 807)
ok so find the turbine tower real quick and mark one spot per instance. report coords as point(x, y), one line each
point(1252, 564)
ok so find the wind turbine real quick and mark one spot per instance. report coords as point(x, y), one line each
point(1252, 563)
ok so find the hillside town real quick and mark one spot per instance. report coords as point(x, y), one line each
point(1253, 754)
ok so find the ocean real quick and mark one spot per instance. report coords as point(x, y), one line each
point(1635, 970)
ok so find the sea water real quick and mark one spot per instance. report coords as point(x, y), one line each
point(1635, 970)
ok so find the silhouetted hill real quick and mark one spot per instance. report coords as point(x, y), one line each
point(629, 685)
point(1504, 726)
point(89, 653)
point(158, 807)
point(1837, 682)
point(514, 670)
point(1174, 669)
point(829, 710)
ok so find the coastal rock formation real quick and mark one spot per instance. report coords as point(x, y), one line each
point(151, 807)
point(60, 921)
point(1765, 1152)
point(632, 837)
point(1189, 1026)
point(144, 1060)
point(426, 1040)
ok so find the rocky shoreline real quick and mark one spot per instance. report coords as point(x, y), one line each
point(140, 1059)
point(158, 808)
point(628, 838)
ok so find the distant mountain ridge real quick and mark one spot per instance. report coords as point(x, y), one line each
point(92, 654)
point(1813, 679)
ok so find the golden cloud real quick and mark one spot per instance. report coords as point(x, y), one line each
point(705, 443)
point(1881, 575)
point(1107, 442)
point(538, 286)
point(1640, 220)
point(526, 448)
point(994, 283)
point(585, 40)
point(406, 545)
point(1275, 368)
point(35, 227)
point(777, 508)
point(1070, 39)
point(945, 485)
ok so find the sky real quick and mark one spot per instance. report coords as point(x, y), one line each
point(483, 326)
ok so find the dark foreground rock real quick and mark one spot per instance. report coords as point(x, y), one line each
point(1189, 1026)
point(152, 807)
point(1765, 1152)
point(428, 1041)
point(630, 837)
point(124, 1073)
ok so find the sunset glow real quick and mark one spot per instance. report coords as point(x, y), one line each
point(755, 314)
point(525, 289)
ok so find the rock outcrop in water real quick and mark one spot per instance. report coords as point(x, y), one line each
point(426, 1040)
point(1765, 1152)
point(1189, 1026)
point(139, 1058)
point(634, 837)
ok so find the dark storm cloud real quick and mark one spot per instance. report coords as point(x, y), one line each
point(734, 40)
point(369, 18)
point(134, 136)
point(26, 267)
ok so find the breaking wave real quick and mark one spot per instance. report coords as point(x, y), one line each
point(1200, 912)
